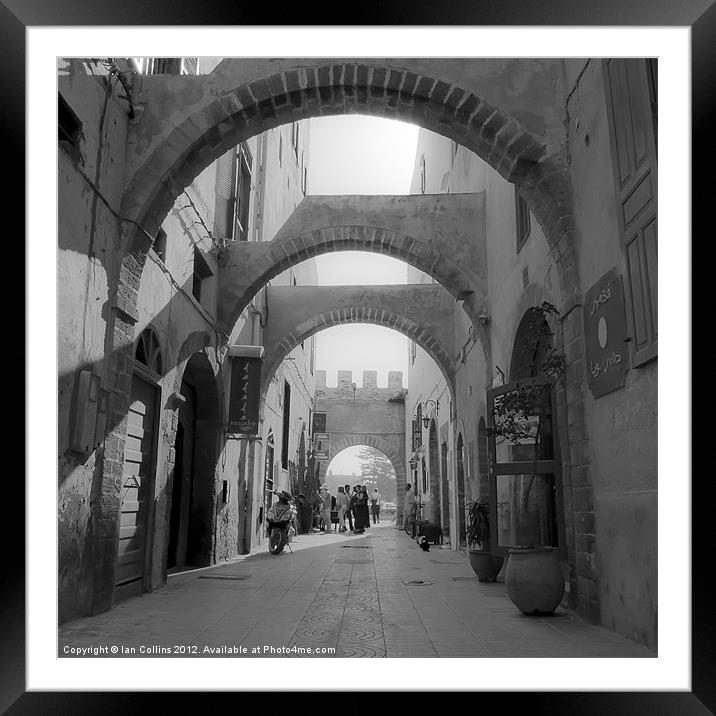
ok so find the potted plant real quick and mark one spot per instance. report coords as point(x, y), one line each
point(477, 533)
point(533, 576)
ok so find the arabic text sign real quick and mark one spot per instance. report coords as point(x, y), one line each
point(245, 395)
point(605, 335)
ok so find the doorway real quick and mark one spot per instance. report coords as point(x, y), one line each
point(462, 540)
point(193, 491)
point(444, 490)
point(137, 482)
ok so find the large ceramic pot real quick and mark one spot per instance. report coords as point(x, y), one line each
point(534, 580)
point(485, 566)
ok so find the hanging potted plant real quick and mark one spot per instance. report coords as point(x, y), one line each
point(533, 577)
point(477, 533)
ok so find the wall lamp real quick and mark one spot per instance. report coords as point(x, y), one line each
point(426, 417)
point(413, 462)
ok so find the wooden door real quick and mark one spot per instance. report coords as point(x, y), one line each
point(137, 480)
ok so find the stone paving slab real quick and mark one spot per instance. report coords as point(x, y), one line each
point(342, 596)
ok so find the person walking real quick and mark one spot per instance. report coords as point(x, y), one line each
point(360, 510)
point(375, 506)
point(358, 527)
point(326, 508)
point(349, 513)
point(342, 505)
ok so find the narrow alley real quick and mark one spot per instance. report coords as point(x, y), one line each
point(375, 595)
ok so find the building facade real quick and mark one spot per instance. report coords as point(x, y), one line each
point(535, 209)
point(186, 491)
point(601, 493)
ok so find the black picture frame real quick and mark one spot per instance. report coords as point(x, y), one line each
point(699, 15)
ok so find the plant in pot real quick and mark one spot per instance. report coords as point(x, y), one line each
point(522, 418)
point(477, 534)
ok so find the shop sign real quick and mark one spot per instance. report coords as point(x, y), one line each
point(319, 423)
point(605, 335)
point(244, 395)
point(321, 443)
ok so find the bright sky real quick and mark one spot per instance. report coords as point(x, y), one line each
point(360, 155)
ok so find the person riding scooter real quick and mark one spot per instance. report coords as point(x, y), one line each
point(280, 522)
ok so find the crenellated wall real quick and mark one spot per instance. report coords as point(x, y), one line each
point(369, 415)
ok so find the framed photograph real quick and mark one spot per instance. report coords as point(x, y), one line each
point(180, 212)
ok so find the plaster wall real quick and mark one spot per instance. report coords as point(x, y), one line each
point(86, 268)
point(622, 424)
point(281, 192)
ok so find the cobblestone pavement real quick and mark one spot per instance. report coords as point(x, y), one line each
point(373, 595)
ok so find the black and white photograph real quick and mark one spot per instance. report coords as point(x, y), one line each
point(357, 358)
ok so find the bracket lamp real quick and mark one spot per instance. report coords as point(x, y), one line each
point(426, 417)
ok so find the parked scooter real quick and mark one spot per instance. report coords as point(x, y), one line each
point(280, 521)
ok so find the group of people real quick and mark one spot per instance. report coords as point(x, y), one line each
point(353, 505)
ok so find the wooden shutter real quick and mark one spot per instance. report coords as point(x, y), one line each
point(632, 112)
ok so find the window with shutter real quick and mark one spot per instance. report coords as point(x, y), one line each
point(632, 111)
point(522, 220)
point(243, 193)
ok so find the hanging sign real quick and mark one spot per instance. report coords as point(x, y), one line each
point(605, 335)
point(319, 423)
point(244, 396)
point(321, 443)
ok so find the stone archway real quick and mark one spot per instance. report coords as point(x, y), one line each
point(443, 235)
point(421, 312)
point(190, 509)
point(509, 112)
point(383, 446)
point(368, 415)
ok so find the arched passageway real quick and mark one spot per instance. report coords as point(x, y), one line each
point(189, 121)
point(519, 132)
point(443, 235)
point(421, 312)
point(191, 487)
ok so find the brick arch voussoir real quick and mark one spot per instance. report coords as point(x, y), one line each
point(326, 89)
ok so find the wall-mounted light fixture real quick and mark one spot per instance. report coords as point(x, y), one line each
point(413, 462)
point(426, 417)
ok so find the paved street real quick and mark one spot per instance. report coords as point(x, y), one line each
point(374, 595)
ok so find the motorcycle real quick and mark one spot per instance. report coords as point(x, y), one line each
point(280, 521)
